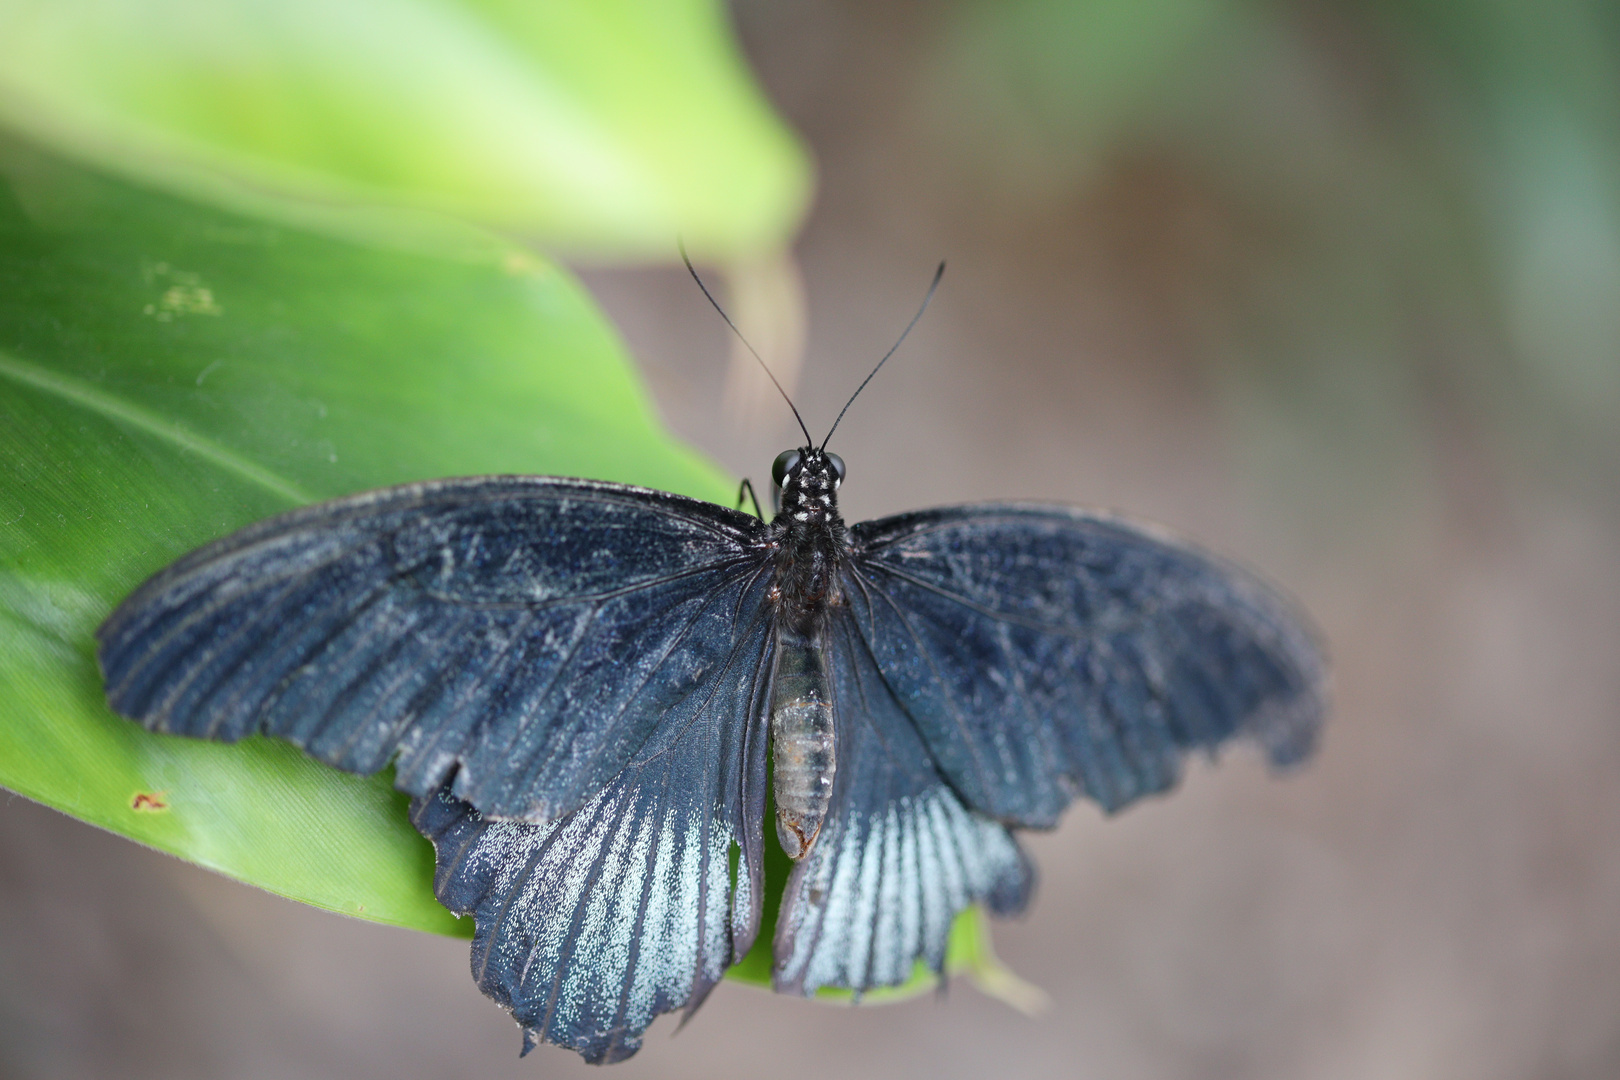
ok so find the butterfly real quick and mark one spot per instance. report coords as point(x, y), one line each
point(598, 693)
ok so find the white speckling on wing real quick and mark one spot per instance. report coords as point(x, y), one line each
point(892, 884)
point(951, 879)
point(867, 860)
point(670, 950)
point(602, 941)
point(938, 877)
point(907, 918)
point(888, 949)
point(742, 900)
point(602, 931)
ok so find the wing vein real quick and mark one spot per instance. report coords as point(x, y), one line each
point(989, 613)
point(964, 732)
point(680, 638)
point(580, 598)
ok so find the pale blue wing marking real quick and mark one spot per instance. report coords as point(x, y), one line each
point(591, 926)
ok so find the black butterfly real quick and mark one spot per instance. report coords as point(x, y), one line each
point(589, 688)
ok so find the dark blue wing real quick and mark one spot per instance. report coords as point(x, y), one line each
point(899, 855)
point(524, 634)
point(1043, 651)
point(591, 926)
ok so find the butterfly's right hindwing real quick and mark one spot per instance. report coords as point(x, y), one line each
point(899, 857)
point(523, 634)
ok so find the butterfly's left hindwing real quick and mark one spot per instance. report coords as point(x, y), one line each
point(590, 927)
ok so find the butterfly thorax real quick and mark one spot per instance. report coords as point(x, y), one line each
point(809, 539)
point(808, 535)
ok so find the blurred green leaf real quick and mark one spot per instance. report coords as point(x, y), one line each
point(604, 127)
point(168, 374)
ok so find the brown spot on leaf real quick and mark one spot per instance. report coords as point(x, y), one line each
point(148, 800)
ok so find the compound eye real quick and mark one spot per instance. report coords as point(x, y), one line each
point(785, 462)
point(837, 464)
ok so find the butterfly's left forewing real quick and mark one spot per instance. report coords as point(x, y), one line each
point(518, 636)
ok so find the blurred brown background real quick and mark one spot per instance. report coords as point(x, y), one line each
point(1331, 287)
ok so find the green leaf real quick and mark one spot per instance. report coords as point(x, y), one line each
point(604, 127)
point(168, 374)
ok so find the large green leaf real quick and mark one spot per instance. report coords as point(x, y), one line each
point(594, 126)
point(168, 374)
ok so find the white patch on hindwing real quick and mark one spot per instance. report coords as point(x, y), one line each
point(614, 853)
point(889, 886)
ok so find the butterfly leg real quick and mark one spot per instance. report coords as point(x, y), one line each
point(748, 487)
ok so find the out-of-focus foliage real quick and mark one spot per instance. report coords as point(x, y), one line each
point(1366, 210)
point(600, 129)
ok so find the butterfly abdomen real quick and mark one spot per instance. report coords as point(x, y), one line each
point(803, 741)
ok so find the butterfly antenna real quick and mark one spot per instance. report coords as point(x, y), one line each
point(937, 275)
point(680, 246)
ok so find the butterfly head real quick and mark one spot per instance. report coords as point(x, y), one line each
point(807, 480)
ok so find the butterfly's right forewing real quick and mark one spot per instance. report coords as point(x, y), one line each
point(524, 635)
point(1044, 651)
